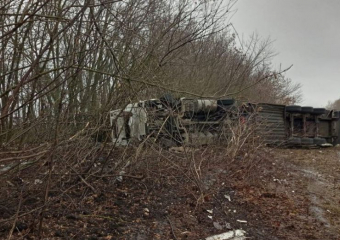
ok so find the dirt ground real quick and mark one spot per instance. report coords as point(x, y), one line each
point(314, 174)
point(274, 194)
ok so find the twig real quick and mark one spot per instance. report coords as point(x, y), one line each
point(98, 216)
point(84, 181)
point(123, 175)
point(81, 131)
point(23, 157)
point(172, 228)
point(48, 185)
point(24, 150)
point(16, 218)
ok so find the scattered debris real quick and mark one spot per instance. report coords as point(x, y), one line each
point(37, 181)
point(120, 177)
point(276, 180)
point(176, 149)
point(218, 226)
point(210, 211)
point(146, 212)
point(227, 197)
point(241, 221)
point(232, 235)
point(221, 226)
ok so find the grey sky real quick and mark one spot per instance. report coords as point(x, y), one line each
point(306, 33)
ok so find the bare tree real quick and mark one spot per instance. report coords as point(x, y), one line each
point(334, 105)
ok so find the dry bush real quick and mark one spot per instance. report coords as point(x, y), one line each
point(37, 179)
point(65, 64)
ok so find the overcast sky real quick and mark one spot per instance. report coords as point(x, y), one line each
point(306, 33)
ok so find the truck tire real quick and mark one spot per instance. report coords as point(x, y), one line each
point(307, 141)
point(307, 109)
point(294, 141)
point(169, 101)
point(293, 108)
point(319, 111)
point(319, 141)
point(225, 102)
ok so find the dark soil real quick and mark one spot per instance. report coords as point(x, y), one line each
point(273, 194)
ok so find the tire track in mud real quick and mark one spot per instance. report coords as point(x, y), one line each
point(317, 177)
point(316, 181)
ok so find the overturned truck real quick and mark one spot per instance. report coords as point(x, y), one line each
point(178, 121)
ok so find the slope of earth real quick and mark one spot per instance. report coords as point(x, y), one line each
point(271, 194)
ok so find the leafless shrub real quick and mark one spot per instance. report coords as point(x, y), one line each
point(65, 64)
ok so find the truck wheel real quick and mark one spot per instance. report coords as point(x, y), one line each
point(307, 109)
point(294, 141)
point(225, 102)
point(319, 111)
point(293, 108)
point(319, 141)
point(307, 141)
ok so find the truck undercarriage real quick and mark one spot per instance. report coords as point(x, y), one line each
point(177, 121)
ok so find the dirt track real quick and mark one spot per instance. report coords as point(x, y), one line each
point(314, 174)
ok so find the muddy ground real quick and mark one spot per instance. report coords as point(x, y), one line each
point(273, 194)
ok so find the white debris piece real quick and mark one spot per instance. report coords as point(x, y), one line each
point(146, 212)
point(231, 235)
point(276, 180)
point(176, 149)
point(210, 211)
point(211, 217)
point(37, 181)
point(228, 197)
point(241, 221)
point(120, 177)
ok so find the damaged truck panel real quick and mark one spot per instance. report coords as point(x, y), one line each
point(129, 123)
point(272, 125)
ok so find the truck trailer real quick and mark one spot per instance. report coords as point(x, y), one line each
point(193, 121)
